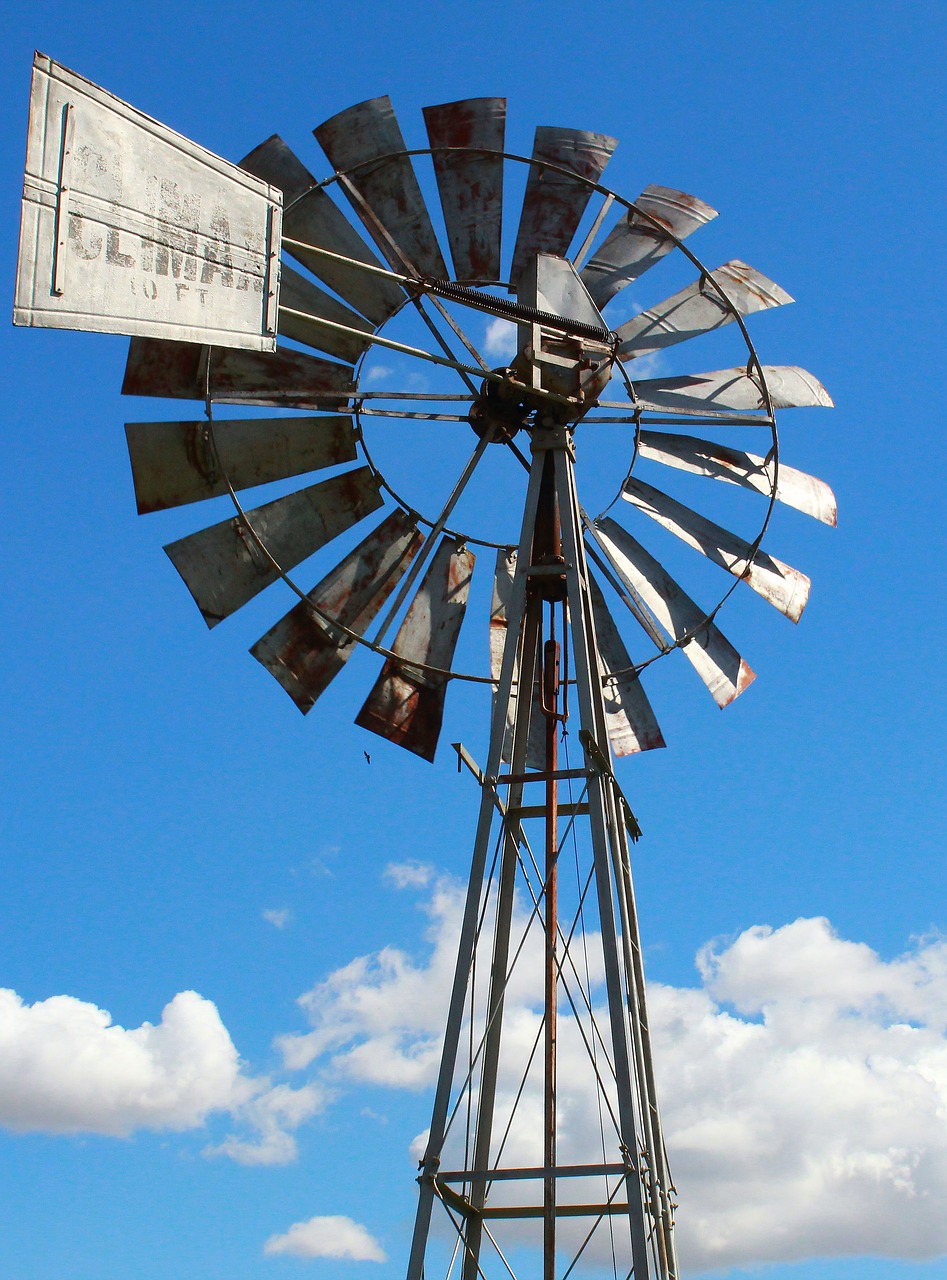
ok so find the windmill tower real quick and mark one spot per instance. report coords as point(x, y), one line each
point(545, 1149)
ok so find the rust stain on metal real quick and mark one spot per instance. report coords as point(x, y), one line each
point(554, 203)
point(635, 244)
point(364, 141)
point(700, 308)
point(716, 661)
point(303, 651)
point(470, 182)
point(784, 587)
point(312, 217)
point(406, 704)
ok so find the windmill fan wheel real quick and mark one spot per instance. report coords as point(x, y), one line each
point(585, 355)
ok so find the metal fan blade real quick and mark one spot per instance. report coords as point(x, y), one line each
point(499, 619)
point(733, 390)
point(174, 463)
point(699, 308)
point(365, 143)
point(630, 720)
point(470, 184)
point(225, 566)
point(299, 294)
point(303, 651)
point(552, 284)
point(311, 216)
point(711, 654)
point(635, 244)
point(499, 622)
point(554, 202)
point(285, 380)
point(704, 458)
point(784, 587)
point(406, 705)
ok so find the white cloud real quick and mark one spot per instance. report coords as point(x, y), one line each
point(66, 1068)
point(409, 875)
point(278, 917)
point(272, 1115)
point(803, 1084)
point(499, 341)
point(328, 1237)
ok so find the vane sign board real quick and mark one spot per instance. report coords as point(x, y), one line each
point(127, 227)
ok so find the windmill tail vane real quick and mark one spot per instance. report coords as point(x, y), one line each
point(545, 1149)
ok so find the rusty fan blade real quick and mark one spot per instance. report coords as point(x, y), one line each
point(733, 390)
point(711, 654)
point(365, 143)
point(174, 463)
point(311, 216)
point(784, 587)
point(406, 705)
point(700, 308)
point(284, 380)
point(704, 458)
point(554, 202)
point(303, 651)
point(470, 182)
point(300, 295)
point(631, 722)
point(225, 566)
point(635, 244)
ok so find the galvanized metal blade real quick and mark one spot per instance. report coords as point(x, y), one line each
point(704, 458)
point(700, 308)
point(554, 202)
point(733, 390)
point(312, 217)
point(365, 142)
point(174, 463)
point(304, 652)
point(552, 284)
point(635, 243)
point(285, 380)
point(228, 564)
point(470, 181)
point(499, 623)
point(300, 295)
point(708, 650)
point(406, 704)
point(632, 725)
point(784, 587)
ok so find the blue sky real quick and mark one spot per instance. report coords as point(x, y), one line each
point(172, 825)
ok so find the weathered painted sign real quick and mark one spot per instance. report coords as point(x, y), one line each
point(128, 227)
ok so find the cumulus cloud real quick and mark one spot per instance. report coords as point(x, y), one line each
point(272, 1116)
point(278, 917)
point(327, 1237)
point(65, 1067)
point(409, 875)
point(499, 341)
point(803, 1081)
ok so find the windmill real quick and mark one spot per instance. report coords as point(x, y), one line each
point(129, 228)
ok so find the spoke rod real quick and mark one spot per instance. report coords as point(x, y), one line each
point(415, 414)
point(432, 537)
point(421, 354)
point(463, 295)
